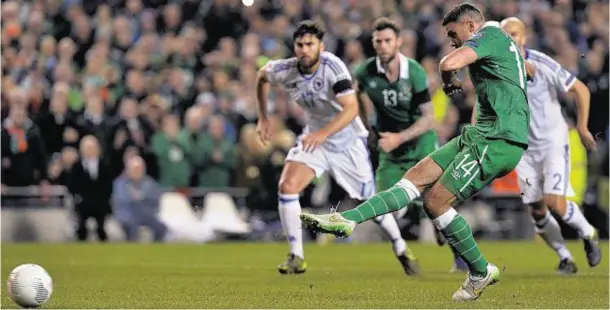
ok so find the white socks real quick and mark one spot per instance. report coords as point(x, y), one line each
point(388, 224)
point(410, 188)
point(549, 230)
point(290, 209)
point(445, 219)
point(576, 219)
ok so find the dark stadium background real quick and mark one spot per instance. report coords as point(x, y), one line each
point(63, 60)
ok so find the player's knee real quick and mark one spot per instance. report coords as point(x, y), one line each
point(538, 210)
point(438, 200)
point(289, 186)
point(555, 202)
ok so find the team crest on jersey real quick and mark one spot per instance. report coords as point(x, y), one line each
point(405, 92)
point(372, 84)
point(318, 83)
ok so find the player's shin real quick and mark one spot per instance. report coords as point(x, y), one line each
point(549, 230)
point(459, 236)
point(395, 198)
point(390, 228)
point(576, 219)
point(290, 209)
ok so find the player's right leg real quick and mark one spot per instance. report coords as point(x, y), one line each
point(387, 174)
point(399, 196)
point(556, 188)
point(529, 172)
point(294, 178)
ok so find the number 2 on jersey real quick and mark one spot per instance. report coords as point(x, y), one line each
point(513, 48)
point(389, 97)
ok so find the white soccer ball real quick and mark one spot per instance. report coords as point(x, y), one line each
point(29, 285)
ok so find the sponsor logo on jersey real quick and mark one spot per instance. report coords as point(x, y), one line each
point(373, 84)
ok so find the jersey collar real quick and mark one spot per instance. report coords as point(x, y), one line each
point(403, 64)
point(491, 23)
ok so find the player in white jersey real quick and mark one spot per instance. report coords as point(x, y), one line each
point(544, 169)
point(334, 139)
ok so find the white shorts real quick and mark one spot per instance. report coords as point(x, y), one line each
point(351, 168)
point(545, 172)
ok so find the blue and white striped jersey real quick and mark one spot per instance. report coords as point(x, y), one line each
point(547, 124)
point(316, 94)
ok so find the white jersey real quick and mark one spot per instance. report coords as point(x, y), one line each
point(316, 94)
point(547, 124)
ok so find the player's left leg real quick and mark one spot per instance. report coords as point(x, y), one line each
point(556, 188)
point(479, 162)
point(387, 174)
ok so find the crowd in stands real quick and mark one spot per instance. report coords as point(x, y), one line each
point(174, 81)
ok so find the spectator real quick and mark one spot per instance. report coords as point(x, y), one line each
point(90, 182)
point(173, 150)
point(24, 161)
point(59, 126)
point(136, 198)
point(214, 156)
point(93, 121)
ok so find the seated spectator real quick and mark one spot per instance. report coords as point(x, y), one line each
point(136, 201)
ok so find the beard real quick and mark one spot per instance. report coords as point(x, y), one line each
point(387, 59)
point(307, 64)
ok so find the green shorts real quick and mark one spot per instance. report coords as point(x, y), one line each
point(392, 167)
point(389, 171)
point(471, 161)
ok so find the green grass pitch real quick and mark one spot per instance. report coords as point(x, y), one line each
point(239, 275)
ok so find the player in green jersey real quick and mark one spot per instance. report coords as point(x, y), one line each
point(397, 87)
point(489, 149)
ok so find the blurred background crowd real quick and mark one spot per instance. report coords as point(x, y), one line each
point(173, 82)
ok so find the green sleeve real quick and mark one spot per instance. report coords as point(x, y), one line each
point(482, 43)
point(360, 73)
point(419, 80)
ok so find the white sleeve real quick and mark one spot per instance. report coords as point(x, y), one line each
point(278, 70)
point(338, 76)
point(563, 79)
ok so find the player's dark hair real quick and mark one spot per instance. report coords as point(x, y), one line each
point(384, 23)
point(463, 10)
point(309, 27)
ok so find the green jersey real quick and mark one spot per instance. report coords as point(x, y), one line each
point(500, 82)
point(396, 103)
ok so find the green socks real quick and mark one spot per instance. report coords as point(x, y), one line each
point(459, 236)
point(395, 198)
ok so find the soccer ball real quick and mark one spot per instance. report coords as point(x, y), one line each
point(29, 285)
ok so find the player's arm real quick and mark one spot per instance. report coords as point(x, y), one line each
point(583, 102)
point(567, 82)
point(346, 98)
point(420, 99)
point(530, 70)
point(364, 105)
point(262, 91)
point(457, 60)
point(271, 73)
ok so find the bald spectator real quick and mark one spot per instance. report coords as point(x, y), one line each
point(90, 182)
point(136, 198)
